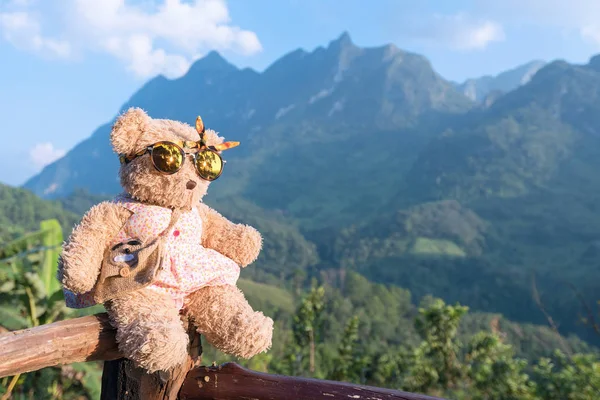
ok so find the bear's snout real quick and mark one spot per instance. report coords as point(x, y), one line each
point(191, 185)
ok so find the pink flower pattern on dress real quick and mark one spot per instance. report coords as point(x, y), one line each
point(189, 266)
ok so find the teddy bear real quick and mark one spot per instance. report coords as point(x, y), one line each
point(166, 168)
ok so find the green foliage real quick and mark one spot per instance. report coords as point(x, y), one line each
point(436, 365)
point(268, 298)
point(285, 248)
point(494, 156)
point(493, 371)
point(30, 295)
point(51, 239)
point(488, 370)
point(350, 361)
point(564, 378)
point(81, 200)
point(70, 382)
point(22, 211)
point(306, 328)
point(371, 334)
point(359, 332)
point(307, 319)
point(436, 248)
point(30, 287)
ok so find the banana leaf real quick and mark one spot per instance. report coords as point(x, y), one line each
point(11, 318)
point(92, 378)
point(52, 238)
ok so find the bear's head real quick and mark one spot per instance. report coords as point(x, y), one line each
point(134, 134)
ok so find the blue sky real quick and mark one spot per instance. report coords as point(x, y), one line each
point(66, 66)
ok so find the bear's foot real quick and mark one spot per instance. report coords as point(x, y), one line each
point(222, 314)
point(149, 330)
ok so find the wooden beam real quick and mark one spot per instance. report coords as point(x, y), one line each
point(230, 381)
point(89, 338)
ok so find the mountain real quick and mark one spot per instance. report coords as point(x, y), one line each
point(367, 160)
point(528, 166)
point(339, 89)
point(478, 89)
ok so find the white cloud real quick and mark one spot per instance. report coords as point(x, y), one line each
point(457, 31)
point(575, 16)
point(284, 110)
point(23, 31)
point(165, 39)
point(463, 33)
point(322, 94)
point(149, 38)
point(337, 106)
point(43, 154)
point(143, 59)
point(591, 33)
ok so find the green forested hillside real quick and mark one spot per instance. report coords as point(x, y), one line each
point(365, 332)
point(373, 334)
point(385, 310)
point(22, 211)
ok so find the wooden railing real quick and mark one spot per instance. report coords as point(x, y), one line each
point(93, 339)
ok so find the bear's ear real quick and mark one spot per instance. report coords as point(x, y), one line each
point(127, 130)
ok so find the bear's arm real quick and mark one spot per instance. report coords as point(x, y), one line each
point(81, 259)
point(241, 243)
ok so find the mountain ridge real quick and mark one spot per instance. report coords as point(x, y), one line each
point(233, 100)
point(478, 88)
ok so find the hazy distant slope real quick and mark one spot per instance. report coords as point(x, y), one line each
point(477, 89)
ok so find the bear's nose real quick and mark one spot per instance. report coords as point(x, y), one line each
point(191, 184)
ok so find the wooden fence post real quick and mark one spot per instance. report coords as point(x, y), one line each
point(122, 381)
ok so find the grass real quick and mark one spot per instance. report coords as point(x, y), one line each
point(436, 247)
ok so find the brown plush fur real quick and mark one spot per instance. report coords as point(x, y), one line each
point(81, 258)
point(148, 328)
point(225, 318)
point(241, 243)
point(134, 131)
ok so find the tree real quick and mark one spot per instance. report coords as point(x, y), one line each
point(307, 321)
point(564, 378)
point(494, 373)
point(436, 364)
point(350, 361)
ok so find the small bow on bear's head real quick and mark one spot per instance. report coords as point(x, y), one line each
point(201, 144)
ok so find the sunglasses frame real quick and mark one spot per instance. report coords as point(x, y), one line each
point(201, 148)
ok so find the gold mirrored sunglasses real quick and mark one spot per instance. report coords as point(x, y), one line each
point(168, 157)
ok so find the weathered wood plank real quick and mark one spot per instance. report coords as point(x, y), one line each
point(89, 338)
point(230, 381)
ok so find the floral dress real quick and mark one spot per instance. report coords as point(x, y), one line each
point(189, 266)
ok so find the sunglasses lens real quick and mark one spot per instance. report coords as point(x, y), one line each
point(209, 165)
point(167, 157)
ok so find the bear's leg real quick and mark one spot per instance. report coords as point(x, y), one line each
point(222, 314)
point(149, 330)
